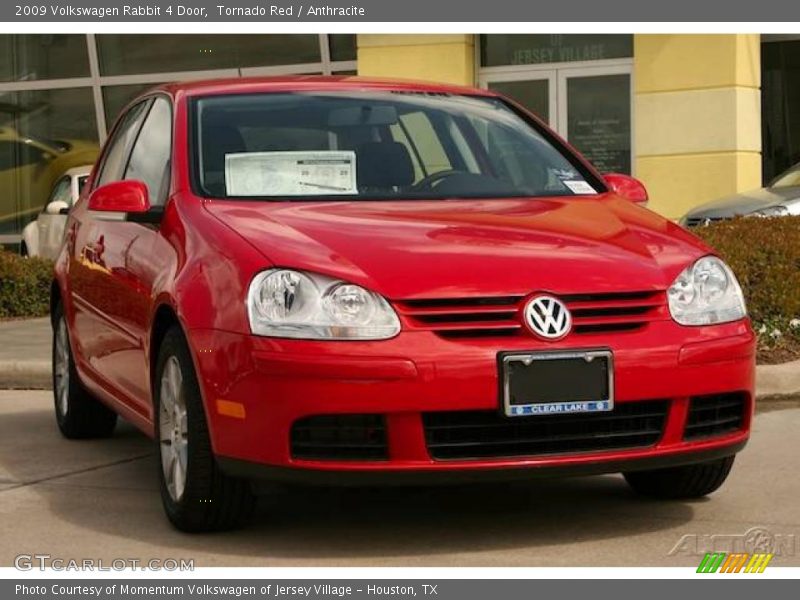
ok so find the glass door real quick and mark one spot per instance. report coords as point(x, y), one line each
point(588, 105)
point(594, 114)
point(536, 92)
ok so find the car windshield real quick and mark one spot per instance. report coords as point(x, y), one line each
point(376, 145)
point(790, 178)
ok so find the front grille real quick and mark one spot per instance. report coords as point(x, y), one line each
point(489, 434)
point(715, 415)
point(501, 316)
point(340, 437)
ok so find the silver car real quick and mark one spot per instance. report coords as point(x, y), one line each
point(779, 199)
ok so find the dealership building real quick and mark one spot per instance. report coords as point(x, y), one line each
point(695, 117)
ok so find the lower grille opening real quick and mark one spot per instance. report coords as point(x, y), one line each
point(715, 415)
point(340, 437)
point(489, 434)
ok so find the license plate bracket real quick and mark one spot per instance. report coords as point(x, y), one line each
point(550, 383)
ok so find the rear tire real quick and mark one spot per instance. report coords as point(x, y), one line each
point(196, 495)
point(23, 250)
point(78, 414)
point(689, 481)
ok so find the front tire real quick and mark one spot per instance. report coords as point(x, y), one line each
point(196, 495)
point(689, 481)
point(78, 414)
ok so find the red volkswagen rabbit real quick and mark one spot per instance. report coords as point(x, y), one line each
point(336, 278)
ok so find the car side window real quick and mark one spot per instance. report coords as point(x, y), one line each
point(119, 147)
point(62, 191)
point(150, 158)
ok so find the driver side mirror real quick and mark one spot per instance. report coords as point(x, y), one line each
point(129, 196)
point(627, 187)
point(56, 207)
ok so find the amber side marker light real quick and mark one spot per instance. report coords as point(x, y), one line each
point(231, 409)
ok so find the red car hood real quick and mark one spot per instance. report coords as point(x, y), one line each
point(450, 248)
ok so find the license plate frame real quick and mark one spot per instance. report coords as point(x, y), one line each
point(554, 407)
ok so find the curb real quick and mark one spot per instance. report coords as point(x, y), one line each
point(25, 375)
point(778, 380)
point(772, 381)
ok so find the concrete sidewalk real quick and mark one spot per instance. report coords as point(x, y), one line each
point(25, 347)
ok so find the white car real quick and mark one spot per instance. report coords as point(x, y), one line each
point(43, 236)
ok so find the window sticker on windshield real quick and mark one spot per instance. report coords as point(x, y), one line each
point(318, 173)
point(579, 187)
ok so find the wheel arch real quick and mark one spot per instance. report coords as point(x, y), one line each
point(164, 318)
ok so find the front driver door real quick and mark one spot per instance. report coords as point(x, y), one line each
point(133, 253)
point(101, 241)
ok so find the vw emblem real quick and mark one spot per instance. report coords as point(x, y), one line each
point(548, 317)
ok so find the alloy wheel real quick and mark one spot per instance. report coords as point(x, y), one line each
point(173, 429)
point(61, 367)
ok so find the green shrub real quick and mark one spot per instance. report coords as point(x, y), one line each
point(765, 256)
point(24, 286)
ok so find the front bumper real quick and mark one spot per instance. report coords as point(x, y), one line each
point(255, 389)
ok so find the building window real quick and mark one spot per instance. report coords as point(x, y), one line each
point(780, 106)
point(35, 57)
point(131, 54)
point(342, 46)
point(60, 94)
point(43, 134)
point(578, 84)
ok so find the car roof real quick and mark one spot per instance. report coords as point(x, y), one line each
point(328, 83)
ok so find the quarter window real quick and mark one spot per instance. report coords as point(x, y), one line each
point(120, 145)
point(151, 153)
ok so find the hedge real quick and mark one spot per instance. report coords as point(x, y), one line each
point(24, 286)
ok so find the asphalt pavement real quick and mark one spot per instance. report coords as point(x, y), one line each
point(98, 499)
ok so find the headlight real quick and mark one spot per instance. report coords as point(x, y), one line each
point(296, 304)
point(706, 293)
point(771, 211)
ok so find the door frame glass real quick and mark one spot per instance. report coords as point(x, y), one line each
point(558, 74)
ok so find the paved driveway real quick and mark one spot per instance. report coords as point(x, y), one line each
point(99, 499)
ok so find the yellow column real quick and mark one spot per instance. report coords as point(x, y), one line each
point(697, 117)
point(439, 58)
